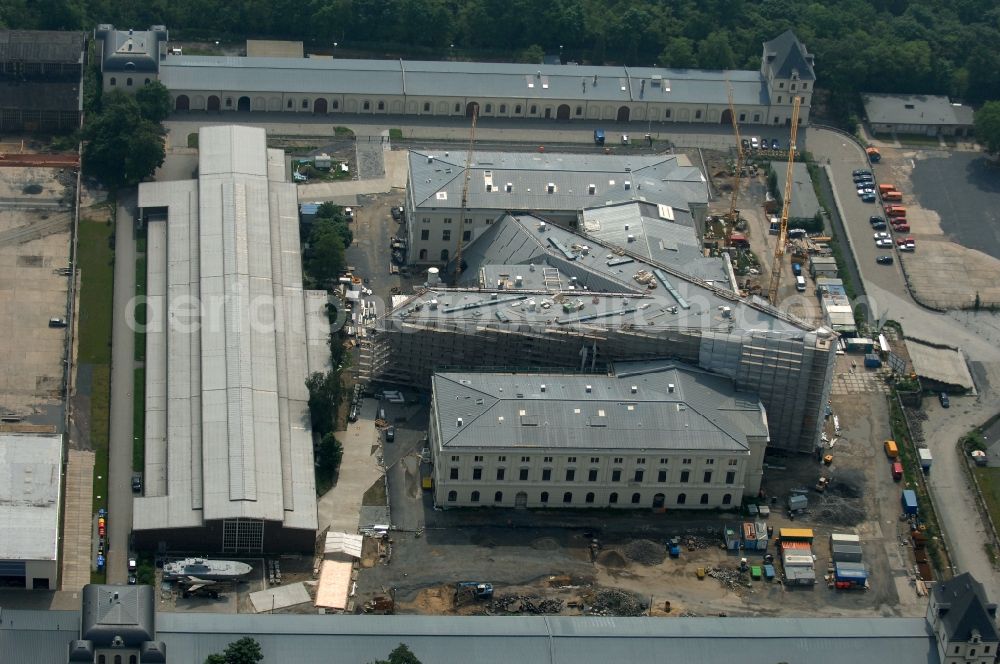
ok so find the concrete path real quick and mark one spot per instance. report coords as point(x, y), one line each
point(340, 507)
point(122, 378)
point(77, 529)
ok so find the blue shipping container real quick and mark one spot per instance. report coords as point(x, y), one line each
point(873, 361)
point(853, 572)
point(909, 501)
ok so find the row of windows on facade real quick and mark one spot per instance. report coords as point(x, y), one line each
point(132, 659)
point(589, 499)
point(425, 235)
point(533, 109)
point(128, 82)
point(592, 475)
point(639, 461)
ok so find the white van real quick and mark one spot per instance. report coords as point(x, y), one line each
point(800, 284)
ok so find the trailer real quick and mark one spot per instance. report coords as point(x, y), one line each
point(909, 501)
point(844, 538)
point(795, 534)
point(926, 459)
point(796, 503)
point(859, 345)
point(846, 553)
point(852, 575)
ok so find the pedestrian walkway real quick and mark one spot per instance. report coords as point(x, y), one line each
point(339, 508)
point(77, 531)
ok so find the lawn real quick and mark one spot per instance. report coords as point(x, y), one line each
point(139, 421)
point(918, 140)
point(989, 484)
point(96, 261)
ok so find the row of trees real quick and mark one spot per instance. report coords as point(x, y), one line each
point(247, 651)
point(923, 46)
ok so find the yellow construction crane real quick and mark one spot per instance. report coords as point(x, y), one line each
point(733, 216)
point(465, 196)
point(779, 250)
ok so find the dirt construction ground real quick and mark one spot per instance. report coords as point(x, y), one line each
point(584, 557)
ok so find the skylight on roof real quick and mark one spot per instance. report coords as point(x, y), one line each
point(442, 195)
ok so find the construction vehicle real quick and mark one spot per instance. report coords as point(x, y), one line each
point(786, 201)
point(465, 197)
point(468, 591)
point(734, 215)
point(874, 156)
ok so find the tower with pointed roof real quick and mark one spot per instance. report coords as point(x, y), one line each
point(787, 67)
point(964, 622)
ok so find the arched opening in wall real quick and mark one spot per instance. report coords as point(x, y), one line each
point(623, 113)
point(243, 104)
point(659, 500)
point(182, 103)
point(471, 108)
point(727, 117)
point(319, 106)
point(213, 103)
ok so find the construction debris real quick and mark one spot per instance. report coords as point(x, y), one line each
point(616, 602)
point(524, 604)
point(733, 579)
point(646, 552)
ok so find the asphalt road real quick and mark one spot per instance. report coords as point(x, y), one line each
point(964, 189)
point(122, 377)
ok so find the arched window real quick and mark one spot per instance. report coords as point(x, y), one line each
point(305, 103)
point(636, 498)
point(704, 499)
point(613, 498)
point(517, 109)
point(229, 102)
point(367, 105)
point(544, 497)
point(590, 497)
point(579, 110)
point(498, 497)
point(114, 81)
point(503, 108)
point(489, 108)
point(452, 496)
point(681, 498)
point(568, 497)
point(458, 108)
point(335, 103)
point(290, 104)
point(427, 107)
point(128, 81)
point(727, 499)
point(381, 106)
point(475, 497)
point(534, 109)
point(146, 83)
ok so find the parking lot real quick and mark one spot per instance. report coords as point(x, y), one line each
point(951, 201)
point(34, 254)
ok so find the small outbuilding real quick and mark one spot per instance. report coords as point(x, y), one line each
point(930, 115)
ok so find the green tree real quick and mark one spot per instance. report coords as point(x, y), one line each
point(244, 651)
point(324, 395)
point(154, 101)
point(714, 52)
point(534, 55)
point(324, 260)
point(400, 655)
point(330, 453)
point(678, 53)
point(122, 148)
point(987, 122)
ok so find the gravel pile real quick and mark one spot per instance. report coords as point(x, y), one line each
point(646, 552)
point(615, 602)
point(612, 559)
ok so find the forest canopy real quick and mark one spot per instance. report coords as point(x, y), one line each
point(916, 46)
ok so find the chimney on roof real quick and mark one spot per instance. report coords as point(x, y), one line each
point(541, 227)
point(670, 388)
point(635, 388)
point(459, 422)
point(518, 281)
point(631, 238)
point(628, 185)
point(509, 187)
point(551, 187)
point(489, 187)
point(543, 387)
point(595, 80)
point(991, 609)
point(591, 189)
point(538, 74)
point(430, 159)
point(589, 389)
